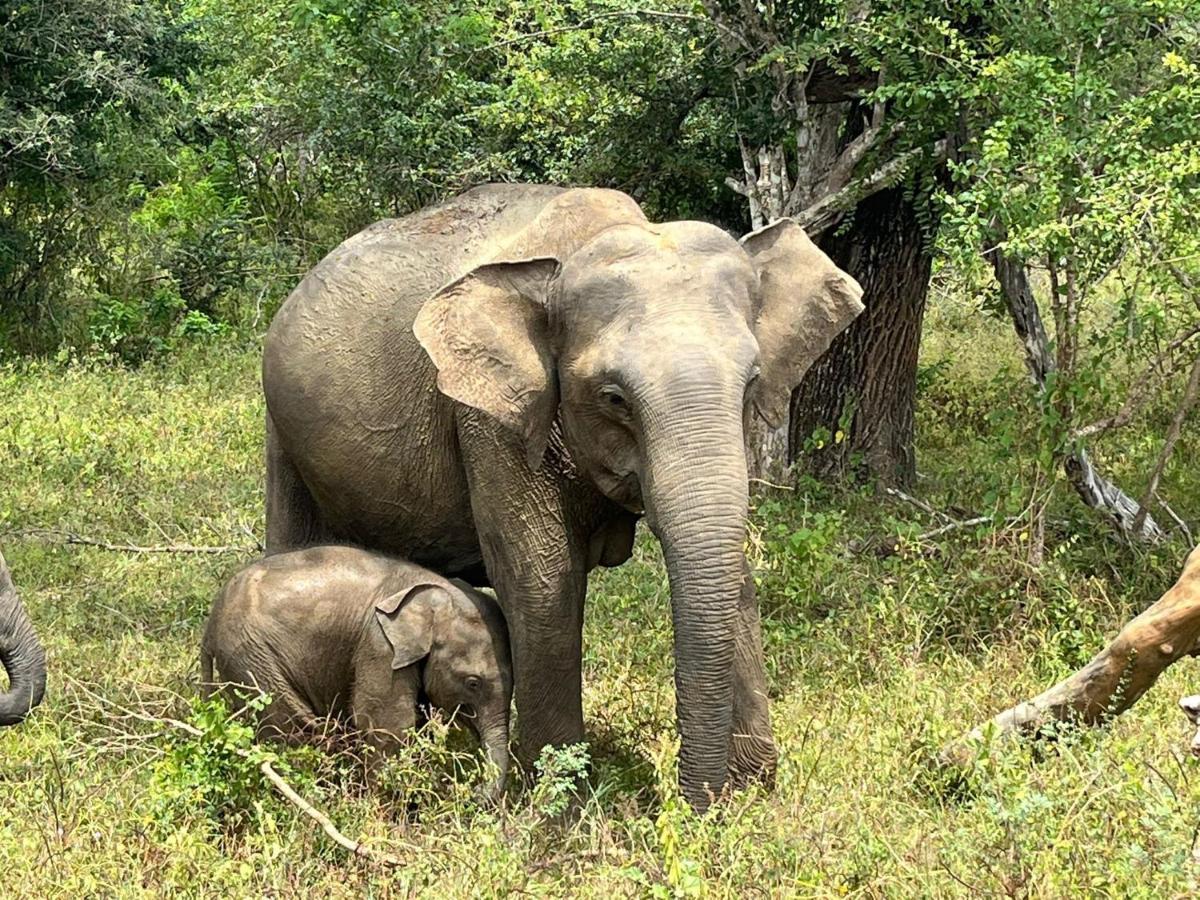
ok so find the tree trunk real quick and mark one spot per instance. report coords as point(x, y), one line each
point(1093, 489)
point(868, 378)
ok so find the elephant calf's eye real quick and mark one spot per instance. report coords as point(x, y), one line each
point(474, 684)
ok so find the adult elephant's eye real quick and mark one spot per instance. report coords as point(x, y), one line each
point(612, 396)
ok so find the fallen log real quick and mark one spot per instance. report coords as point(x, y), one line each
point(1115, 678)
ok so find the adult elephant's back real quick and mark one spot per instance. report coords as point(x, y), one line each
point(361, 446)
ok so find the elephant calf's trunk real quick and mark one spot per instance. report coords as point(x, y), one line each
point(494, 740)
point(21, 654)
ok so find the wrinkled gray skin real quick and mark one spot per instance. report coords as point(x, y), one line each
point(1191, 709)
point(497, 387)
point(347, 633)
point(21, 655)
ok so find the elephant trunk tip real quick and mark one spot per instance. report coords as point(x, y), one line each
point(21, 655)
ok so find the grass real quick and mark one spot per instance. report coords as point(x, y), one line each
point(874, 661)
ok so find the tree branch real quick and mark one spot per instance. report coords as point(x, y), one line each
point(1139, 392)
point(820, 215)
point(1114, 680)
point(1185, 406)
point(70, 537)
point(273, 777)
point(1095, 490)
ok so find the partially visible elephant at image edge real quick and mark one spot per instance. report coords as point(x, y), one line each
point(498, 386)
point(21, 654)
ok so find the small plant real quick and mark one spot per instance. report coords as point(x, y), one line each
point(560, 771)
point(676, 829)
point(216, 773)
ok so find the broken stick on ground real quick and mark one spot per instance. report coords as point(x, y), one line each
point(1115, 679)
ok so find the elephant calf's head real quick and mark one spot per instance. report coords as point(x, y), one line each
point(458, 637)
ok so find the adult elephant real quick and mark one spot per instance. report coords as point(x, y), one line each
point(21, 655)
point(499, 386)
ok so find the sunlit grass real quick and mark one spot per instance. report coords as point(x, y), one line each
point(874, 661)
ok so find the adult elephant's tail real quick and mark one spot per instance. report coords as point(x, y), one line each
point(21, 654)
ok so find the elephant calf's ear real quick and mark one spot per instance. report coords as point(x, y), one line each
point(807, 301)
point(407, 620)
point(488, 335)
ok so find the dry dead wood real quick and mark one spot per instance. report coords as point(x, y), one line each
point(69, 537)
point(269, 772)
point(1114, 680)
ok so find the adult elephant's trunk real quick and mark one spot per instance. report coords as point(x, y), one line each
point(493, 737)
point(695, 488)
point(21, 655)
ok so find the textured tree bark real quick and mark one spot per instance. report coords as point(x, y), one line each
point(1115, 679)
point(869, 375)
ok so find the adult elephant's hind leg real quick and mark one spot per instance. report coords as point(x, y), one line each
point(752, 752)
point(293, 520)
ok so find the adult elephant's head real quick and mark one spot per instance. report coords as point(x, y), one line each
point(20, 653)
point(652, 345)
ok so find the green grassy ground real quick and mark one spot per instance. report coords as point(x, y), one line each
point(874, 661)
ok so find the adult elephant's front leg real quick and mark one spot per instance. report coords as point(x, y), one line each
point(535, 553)
point(752, 752)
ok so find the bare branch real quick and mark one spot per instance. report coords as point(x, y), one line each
point(824, 212)
point(918, 503)
point(736, 186)
point(273, 777)
point(752, 194)
point(1183, 526)
point(1115, 678)
point(1093, 489)
point(70, 537)
point(1185, 406)
point(953, 526)
point(1139, 393)
point(842, 170)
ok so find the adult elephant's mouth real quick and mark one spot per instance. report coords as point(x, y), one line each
point(622, 488)
point(627, 491)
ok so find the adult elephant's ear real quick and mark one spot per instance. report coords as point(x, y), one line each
point(807, 301)
point(489, 336)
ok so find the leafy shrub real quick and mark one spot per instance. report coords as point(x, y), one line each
point(216, 773)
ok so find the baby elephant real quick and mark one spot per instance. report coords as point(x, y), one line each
point(341, 632)
point(1191, 709)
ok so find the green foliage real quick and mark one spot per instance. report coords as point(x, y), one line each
point(874, 661)
point(216, 772)
point(560, 771)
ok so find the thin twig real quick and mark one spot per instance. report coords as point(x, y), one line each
point(1190, 394)
point(953, 526)
point(918, 503)
point(771, 484)
point(1174, 515)
point(288, 792)
point(70, 537)
point(276, 780)
point(1139, 392)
